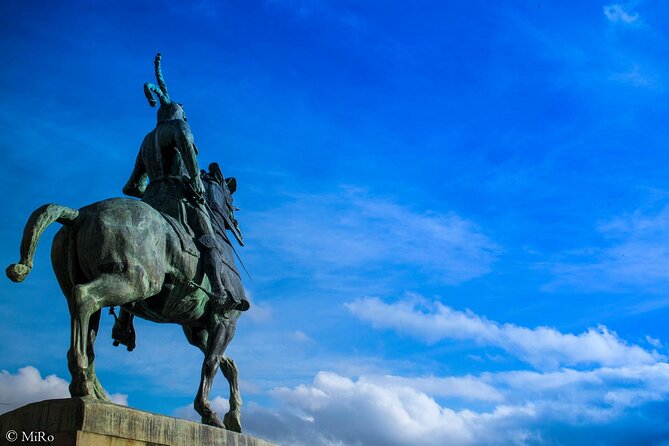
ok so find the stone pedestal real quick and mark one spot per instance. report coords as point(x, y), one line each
point(88, 422)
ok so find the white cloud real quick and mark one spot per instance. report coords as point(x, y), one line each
point(543, 347)
point(614, 383)
point(261, 311)
point(616, 12)
point(598, 395)
point(351, 233)
point(636, 256)
point(118, 398)
point(28, 386)
point(463, 387)
point(300, 336)
point(654, 342)
point(219, 404)
point(388, 410)
point(374, 414)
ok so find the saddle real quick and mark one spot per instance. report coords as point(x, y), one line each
point(184, 232)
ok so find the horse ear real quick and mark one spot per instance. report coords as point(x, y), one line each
point(215, 172)
point(232, 184)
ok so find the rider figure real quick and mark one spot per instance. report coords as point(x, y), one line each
point(168, 158)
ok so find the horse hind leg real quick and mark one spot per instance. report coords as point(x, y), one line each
point(94, 324)
point(63, 266)
point(232, 419)
point(85, 301)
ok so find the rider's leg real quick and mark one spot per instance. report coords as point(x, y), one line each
point(241, 302)
point(213, 264)
point(210, 255)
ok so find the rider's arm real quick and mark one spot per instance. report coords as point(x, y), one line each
point(186, 146)
point(136, 184)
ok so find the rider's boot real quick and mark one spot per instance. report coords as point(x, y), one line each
point(223, 299)
point(123, 331)
point(213, 265)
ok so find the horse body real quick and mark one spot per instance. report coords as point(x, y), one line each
point(123, 252)
point(128, 238)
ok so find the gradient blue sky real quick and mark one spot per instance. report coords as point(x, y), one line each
point(456, 213)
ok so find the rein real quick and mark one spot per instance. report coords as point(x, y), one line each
point(222, 231)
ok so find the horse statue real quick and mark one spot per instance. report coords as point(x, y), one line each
point(123, 252)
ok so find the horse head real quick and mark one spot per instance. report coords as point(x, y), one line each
point(218, 193)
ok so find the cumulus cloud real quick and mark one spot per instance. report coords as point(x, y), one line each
point(373, 414)
point(543, 347)
point(600, 395)
point(582, 389)
point(28, 386)
point(616, 12)
point(352, 231)
point(118, 398)
point(468, 388)
point(388, 410)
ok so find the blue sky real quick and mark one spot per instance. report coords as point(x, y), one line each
point(456, 214)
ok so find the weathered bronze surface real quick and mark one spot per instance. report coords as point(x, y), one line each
point(165, 258)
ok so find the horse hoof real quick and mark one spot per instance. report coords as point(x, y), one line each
point(232, 422)
point(212, 420)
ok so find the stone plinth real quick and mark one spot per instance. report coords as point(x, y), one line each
point(88, 422)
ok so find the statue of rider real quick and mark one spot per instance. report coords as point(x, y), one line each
point(168, 158)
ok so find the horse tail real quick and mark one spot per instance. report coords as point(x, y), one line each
point(39, 220)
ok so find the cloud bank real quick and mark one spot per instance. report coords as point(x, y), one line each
point(525, 407)
point(618, 394)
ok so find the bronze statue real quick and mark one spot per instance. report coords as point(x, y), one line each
point(165, 258)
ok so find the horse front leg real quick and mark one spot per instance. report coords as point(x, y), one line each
point(201, 404)
point(232, 419)
point(216, 343)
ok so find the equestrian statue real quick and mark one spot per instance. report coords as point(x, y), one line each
point(166, 257)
